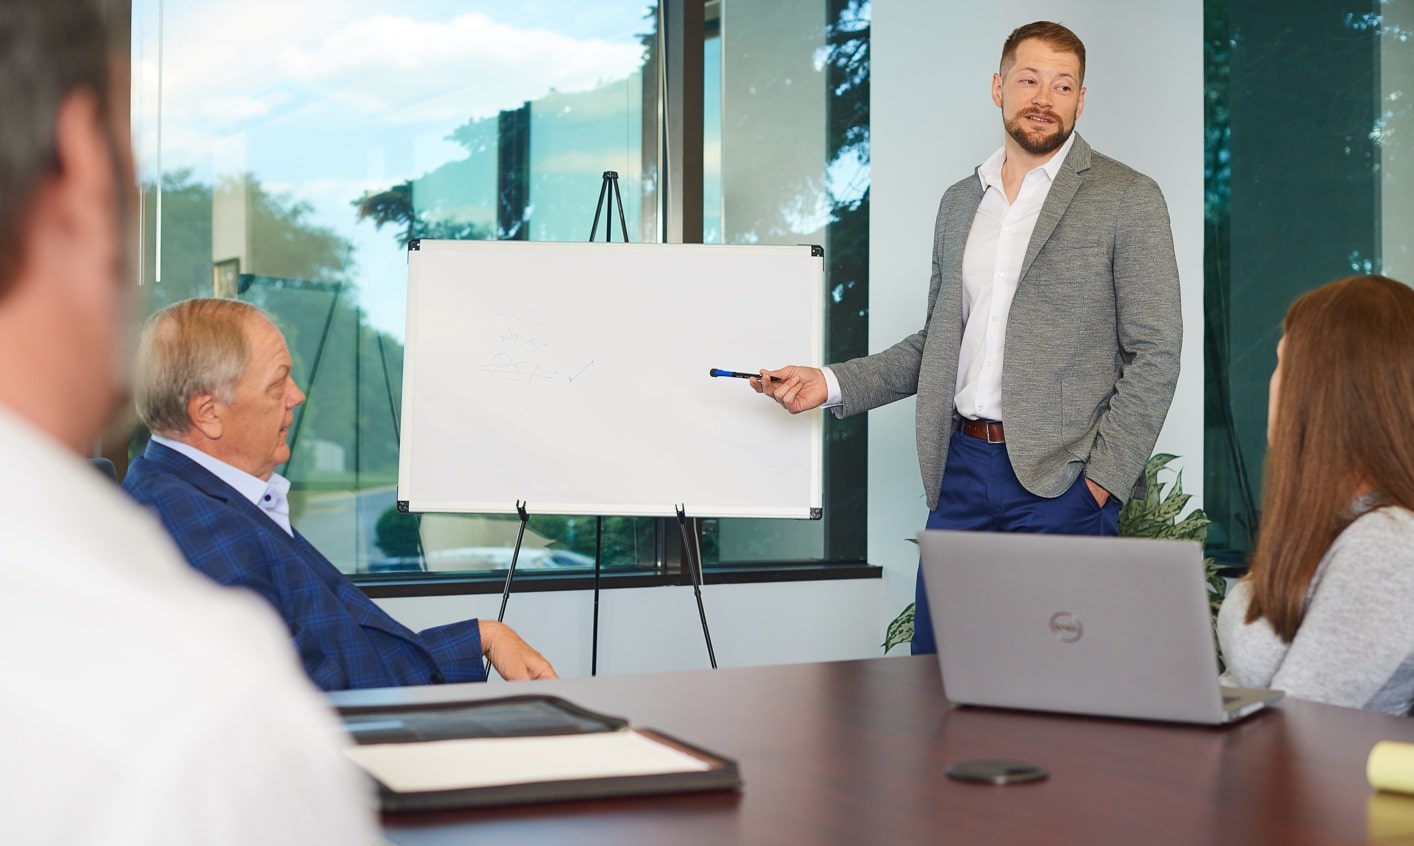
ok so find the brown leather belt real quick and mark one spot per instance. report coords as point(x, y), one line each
point(984, 430)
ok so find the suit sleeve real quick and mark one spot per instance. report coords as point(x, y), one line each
point(456, 647)
point(892, 374)
point(1149, 321)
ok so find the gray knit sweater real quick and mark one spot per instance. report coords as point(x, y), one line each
point(1355, 646)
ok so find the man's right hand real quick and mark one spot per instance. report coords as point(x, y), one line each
point(796, 388)
point(513, 658)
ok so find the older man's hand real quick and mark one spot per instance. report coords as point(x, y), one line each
point(513, 658)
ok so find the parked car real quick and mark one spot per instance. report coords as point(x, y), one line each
point(464, 558)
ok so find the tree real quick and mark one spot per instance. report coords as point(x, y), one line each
point(301, 273)
point(395, 206)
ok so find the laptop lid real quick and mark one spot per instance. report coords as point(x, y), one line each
point(1090, 625)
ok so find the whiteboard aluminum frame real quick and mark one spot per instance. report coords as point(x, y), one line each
point(417, 322)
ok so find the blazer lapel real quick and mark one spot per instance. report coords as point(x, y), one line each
point(1063, 189)
point(955, 237)
point(951, 250)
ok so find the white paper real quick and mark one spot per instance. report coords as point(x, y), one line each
point(489, 761)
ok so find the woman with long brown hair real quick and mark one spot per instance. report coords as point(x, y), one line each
point(1327, 610)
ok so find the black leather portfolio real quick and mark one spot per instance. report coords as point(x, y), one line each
point(520, 749)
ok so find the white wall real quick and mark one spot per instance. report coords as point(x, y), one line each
point(643, 630)
point(932, 122)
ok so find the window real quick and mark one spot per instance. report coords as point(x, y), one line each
point(786, 161)
point(288, 152)
point(1306, 114)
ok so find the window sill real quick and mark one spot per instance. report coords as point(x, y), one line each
point(533, 582)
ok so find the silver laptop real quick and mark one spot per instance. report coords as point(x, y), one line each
point(1114, 627)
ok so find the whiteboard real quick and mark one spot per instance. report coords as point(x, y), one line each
point(573, 377)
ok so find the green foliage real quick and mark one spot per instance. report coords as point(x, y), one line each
point(283, 239)
point(299, 271)
point(395, 207)
point(625, 541)
point(1155, 516)
point(396, 533)
point(900, 630)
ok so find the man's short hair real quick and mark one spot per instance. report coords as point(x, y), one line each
point(49, 49)
point(192, 347)
point(1055, 36)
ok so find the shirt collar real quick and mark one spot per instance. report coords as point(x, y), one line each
point(250, 487)
point(990, 171)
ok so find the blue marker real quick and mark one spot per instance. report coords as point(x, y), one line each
point(736, 375)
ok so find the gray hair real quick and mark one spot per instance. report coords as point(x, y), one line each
point(48, 51)
point(190, 348)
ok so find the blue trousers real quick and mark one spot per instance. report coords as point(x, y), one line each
point(981, 493)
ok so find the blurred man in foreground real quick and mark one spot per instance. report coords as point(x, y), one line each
point(142, 704)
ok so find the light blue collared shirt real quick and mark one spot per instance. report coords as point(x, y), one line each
point(271, 496)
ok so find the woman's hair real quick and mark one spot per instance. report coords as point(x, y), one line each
point(1344, 424)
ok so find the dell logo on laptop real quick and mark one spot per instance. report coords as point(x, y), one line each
point(1066, 627)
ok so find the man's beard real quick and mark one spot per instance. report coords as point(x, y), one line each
point(1038, 145)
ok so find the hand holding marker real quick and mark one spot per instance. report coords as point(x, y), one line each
point(735, 374)
point(801, 389)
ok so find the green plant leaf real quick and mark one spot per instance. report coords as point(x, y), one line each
point(900, 630)
point(1170, 508)
point(1159, 461)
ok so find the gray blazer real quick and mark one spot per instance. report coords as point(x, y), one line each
point(1093, 335)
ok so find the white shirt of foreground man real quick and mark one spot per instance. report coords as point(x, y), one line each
point(142, 703)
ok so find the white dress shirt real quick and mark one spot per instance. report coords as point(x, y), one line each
point(270, 496)
point(144, 705)
point(991, 268)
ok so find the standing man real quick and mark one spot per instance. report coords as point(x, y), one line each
point(141, 703)
point(214, 385)
point(1049, 355)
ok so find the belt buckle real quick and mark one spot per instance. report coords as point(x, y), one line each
point(987, 427)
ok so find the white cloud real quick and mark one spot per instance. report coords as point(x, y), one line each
point(324, 99)
point(225, 64)
point(470, 66)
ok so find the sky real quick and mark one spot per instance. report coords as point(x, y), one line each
point(324, 100)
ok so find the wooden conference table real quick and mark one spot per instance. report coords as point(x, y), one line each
point(854, 752)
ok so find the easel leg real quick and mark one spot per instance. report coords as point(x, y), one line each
point(598, 555)
point(603, 187)
point(694, 566)
point(510, 574)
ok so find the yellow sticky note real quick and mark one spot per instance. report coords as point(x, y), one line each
point(1391, 766)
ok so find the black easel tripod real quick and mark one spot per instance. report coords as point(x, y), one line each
point(609, 188)
point(691, 552)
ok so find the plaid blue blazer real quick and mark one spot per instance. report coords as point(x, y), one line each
point(344, 640)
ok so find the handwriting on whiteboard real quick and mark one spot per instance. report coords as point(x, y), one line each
point(524, 353)
point(517, 370)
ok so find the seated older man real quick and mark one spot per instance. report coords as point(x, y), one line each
point(213, 383)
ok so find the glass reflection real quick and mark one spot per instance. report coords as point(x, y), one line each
point(288, 153)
